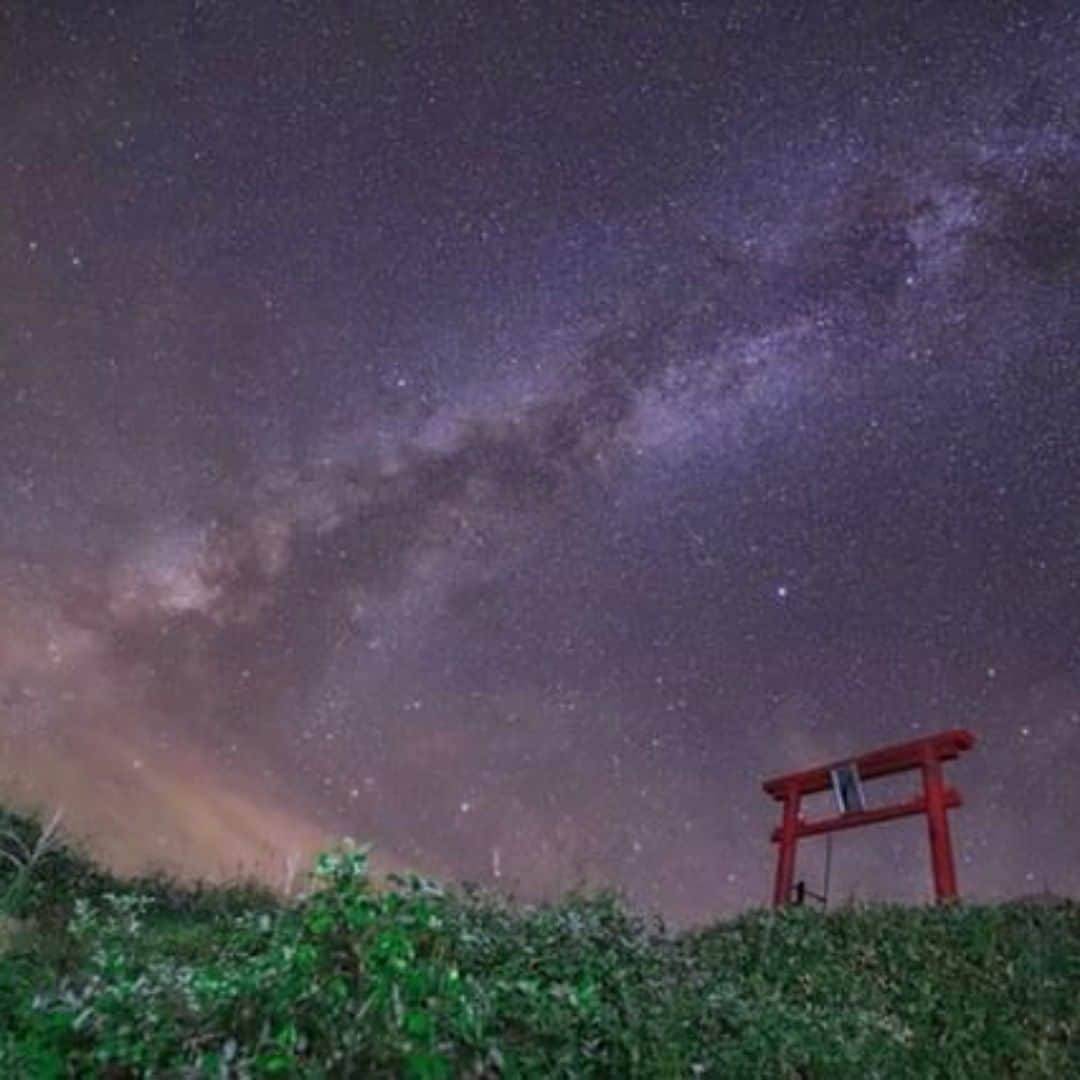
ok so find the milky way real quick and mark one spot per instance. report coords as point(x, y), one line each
point(511, 438)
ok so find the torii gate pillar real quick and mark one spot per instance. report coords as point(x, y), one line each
point(926, 755)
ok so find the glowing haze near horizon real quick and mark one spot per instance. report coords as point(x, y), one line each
point(509, 433)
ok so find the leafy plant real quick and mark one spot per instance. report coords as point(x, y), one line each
point(23, 850)
point(409, 978)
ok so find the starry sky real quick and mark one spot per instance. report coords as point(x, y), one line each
point(509, 433)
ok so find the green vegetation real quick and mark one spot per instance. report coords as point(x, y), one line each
point(100, 977)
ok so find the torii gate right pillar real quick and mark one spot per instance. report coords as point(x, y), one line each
point(941, 850)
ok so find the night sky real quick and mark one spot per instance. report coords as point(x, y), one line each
point(510, 432)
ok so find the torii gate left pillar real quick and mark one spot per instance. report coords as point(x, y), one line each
point(926, 755)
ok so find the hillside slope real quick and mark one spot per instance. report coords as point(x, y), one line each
point(103, 977)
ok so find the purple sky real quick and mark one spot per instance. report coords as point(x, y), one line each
point(509, 433)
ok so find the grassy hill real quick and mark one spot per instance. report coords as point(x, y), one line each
point(101, 977)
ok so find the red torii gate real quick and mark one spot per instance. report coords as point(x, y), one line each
point(844, 777)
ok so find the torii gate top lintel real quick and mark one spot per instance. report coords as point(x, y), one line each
point(900, 757)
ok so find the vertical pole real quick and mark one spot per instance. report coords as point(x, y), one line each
point(941, 853)
point(785, 863)
point(828, 872)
